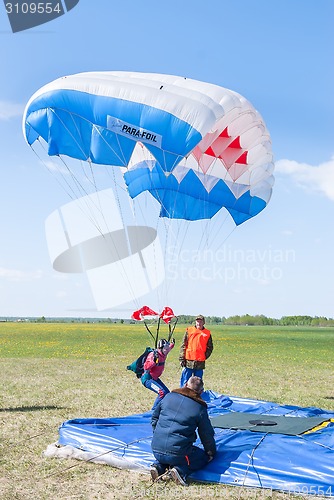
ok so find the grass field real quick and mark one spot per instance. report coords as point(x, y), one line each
point(57, 371)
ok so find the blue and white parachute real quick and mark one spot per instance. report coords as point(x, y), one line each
point(196, 147)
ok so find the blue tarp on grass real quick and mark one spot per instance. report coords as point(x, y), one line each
point(301, 463)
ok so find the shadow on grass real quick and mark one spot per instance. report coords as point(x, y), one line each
point(329, 397)
point(33, 408)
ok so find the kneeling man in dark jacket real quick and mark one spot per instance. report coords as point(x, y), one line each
point(175, 421)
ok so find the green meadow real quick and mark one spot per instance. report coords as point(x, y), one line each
point(52, 372)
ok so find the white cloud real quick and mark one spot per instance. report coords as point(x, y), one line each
point(60, 276)
point(18, 276)
point(287, 232)
point(10, 110)
point(318, 178)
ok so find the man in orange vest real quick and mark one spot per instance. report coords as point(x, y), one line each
point(196, 347)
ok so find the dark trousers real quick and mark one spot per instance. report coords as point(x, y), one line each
point(185, 464)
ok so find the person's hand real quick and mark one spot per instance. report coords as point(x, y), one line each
point(173, 340)
point(209, 455)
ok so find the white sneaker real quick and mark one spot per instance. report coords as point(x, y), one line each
point(154, 473)
point(177, 478)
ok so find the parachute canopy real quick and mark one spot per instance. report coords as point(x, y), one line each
point(194, 146)
point(143, 313)
point(146, 312)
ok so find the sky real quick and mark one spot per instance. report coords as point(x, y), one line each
point(279, 55)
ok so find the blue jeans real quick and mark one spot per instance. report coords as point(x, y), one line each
point(185, 464)
point(187, 373)
point(158, 387)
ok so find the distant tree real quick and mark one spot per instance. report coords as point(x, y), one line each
point(233, 320)
point(215, 320)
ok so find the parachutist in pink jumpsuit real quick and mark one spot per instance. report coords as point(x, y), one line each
point(154, 367)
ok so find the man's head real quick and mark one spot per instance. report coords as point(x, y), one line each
point(196, 384)
point(200, 321)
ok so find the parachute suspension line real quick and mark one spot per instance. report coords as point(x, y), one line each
point(139, 215)
point(81, 189)
point(157, 333)
point(250, 461)
point(225, 238)
point(98, 206)
point(97, 129)
point(171, 329)
point(171, 238)
point(74, 179)
point(94, 127)
point(213, 228)
point(69, 190)
point(174, 245)
point(17, 443)
point(121, 159)
point(110, 244)
point(170, 247)
point(220, 223)
point(162, 230)
point(160, 267)
point(214, 225)
point(137, 211)
point(95, 457)
point(92, 175)
point(208, 230)
point(331, 448)
point(84, 154)
point(119, 205)
point(205, 222)
point(88, 212)
point(117, 186)
point(157, 271)
point(145, 215)
point(149, 331)
point(184, 227)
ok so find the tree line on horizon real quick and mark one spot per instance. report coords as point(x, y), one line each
point(262, 320)
point(237, 320)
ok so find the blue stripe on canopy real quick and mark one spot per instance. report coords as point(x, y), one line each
point(189, 199)
point(75, 124)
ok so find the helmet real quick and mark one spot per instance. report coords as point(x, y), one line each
point(162, 343)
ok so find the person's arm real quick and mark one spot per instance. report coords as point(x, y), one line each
point(183, 349)
point(206, 434)
point(170, 346)
point(150, 362)
point(155, 417)
point(209, 348)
